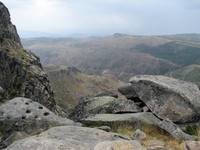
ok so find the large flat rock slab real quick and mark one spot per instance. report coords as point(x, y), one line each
point(192, 145)
point(133, 118)
point(75, 138)
point(101, 105)
point(27, 116)
point(20, 110)
point(166, 97)
point(138, 120)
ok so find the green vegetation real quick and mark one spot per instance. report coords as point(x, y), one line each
point(193, 130)
point(176, 52)
point(189, 73)
point(19, 54)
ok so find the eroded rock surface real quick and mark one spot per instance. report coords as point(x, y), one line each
point(73, 138)
point(119, 145)
point(166, 97)
point(8, 31)
point(139, 120)
point(105, 104)
point(108, 93)
point(192, 145)
point(27, 116)
point(139, 135)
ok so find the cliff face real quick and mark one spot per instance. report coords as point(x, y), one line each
point(21, 73)
point(8, 32)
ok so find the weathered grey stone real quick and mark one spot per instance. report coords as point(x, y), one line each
point(70, 137)
point(105, 128)
point(13, 137)
point(1, 90)
point(108, 93)
point(139, 135)
point(145, 109)
point(166, 97)
point(8, 31)
point(1, 93)
point(192, 145)
point(119, 145)
point(25, 115)
point(105, 104)
point(127, 91)
point(21, 73)
point(136, 119)
point(174, 130)
point(156, 145)
point(139, 120)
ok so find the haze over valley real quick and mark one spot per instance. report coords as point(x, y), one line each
point(99, 75)
point(120, 55)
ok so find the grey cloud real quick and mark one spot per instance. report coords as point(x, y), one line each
point(64, 17)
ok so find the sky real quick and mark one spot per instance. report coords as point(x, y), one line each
point(104, 17)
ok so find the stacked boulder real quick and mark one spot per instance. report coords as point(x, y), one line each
point(154, 100)
point(167, 98)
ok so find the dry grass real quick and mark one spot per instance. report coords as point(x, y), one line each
point(157, 134)
point(128, 131)
point(19, 54)
point(152, 133)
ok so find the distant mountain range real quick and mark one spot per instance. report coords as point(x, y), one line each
point(120, 54)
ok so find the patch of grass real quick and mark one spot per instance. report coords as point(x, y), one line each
point(153, 133)
point(127, 131)
point(19, 54)
point(158, 134)
point(193, 130)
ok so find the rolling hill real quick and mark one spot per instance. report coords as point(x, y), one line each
point(120, 54)
point(189, 73)
point(70, 85)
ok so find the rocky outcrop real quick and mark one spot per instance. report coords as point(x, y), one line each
point(8, 32)
point(105, 104)
point(27, 116)
point(1, 92)
point(140, 121)
point(119, 145)
point(139, 135)
point(157, 145)
point(167, 98)
point(68, 137)
point(107, 93)
point(21, 73)
point(24, 77)
point(192, 145)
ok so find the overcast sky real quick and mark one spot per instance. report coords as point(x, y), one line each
point(103, 17)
